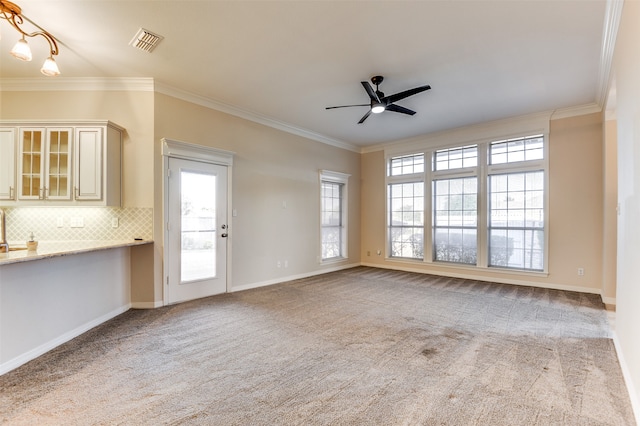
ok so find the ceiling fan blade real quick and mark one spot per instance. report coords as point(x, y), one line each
point(398, 108)
point(372, 94)
point(401, 95)
point(364, 117)
point(347, 106)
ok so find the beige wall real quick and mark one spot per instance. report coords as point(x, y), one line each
point(626, 70)
point(269, 167)
point(575, 212)
point(576, 201)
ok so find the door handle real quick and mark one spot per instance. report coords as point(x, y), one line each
point(224, 235)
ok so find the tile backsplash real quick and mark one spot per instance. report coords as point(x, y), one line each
point(62, 223)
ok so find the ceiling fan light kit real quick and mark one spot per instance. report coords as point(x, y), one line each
point(380, 103)
point(12, 13)
point(377, 108)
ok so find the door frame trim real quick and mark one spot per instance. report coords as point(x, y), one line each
point(172, 148)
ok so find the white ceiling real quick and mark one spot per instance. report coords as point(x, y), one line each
point(286, 61)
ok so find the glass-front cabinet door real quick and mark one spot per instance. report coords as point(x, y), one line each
point(31, 164)
point(58, 180)
point(44, 164)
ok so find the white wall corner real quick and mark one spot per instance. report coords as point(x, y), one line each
point(612, 17)
point(633, 392)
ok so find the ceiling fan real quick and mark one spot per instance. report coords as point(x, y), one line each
point(380, 103)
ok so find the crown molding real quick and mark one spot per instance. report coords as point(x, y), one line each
point(145, 84)
point(251, 116)
point(504, 128)
point(76, 84)
point(575, 111)
point(507, 127)
point(612, 17)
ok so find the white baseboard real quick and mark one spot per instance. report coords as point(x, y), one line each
point(609, 300)
point(16, 362)
point(147, 305)
point(292, 277)
point(494, 279)
point(633, 393)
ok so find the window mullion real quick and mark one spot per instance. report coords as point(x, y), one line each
point(428, 209)
point(483, 206)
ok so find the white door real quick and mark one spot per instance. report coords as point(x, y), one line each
point(196, 230)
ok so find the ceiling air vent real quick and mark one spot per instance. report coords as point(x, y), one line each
point(145, 40)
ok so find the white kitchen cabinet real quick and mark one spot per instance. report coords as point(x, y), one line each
point(7, 164)
point(97, 165)
point(61, 163)
point(44, 163)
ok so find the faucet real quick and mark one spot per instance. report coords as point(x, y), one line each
point(4, 245)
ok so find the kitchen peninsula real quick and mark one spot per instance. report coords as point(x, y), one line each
point(60, 291)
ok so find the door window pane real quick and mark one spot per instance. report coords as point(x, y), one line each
point(198, 231)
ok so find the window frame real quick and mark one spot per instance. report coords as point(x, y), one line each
point(450, 174)
point(525, 166)
point(481, 171)
point(341, 179)
point(398, 179)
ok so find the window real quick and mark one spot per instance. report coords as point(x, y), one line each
point(455, 205)
point(406, 165)
point(333, 219)
point(456, 158)
point(455, 220)
point(516, 220)
point(520, 149)
point(405, 192)
point(406, 220)
point(486, 202)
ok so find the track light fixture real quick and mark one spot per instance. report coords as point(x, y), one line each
point(12, 13)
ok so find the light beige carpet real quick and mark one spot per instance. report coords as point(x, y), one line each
point(357, 347)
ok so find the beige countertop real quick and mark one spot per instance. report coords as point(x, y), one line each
point(49, 249)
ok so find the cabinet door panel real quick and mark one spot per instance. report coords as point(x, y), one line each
point(31, 164)
point(88, 164)
point(7, 164)
point(58, 182)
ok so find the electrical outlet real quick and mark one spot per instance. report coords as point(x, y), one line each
point(279, 264)
point(368, 253)
point(379, 252)
point(60, 222)
point(115, 222)
point(580, 272)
